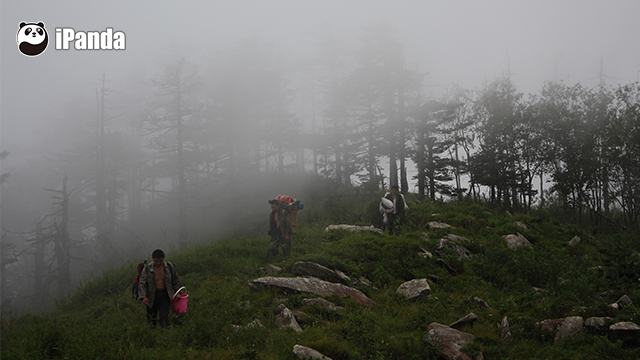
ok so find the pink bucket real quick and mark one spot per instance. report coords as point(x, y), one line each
point(180, 306)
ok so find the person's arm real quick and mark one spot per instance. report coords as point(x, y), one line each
point(144, 278)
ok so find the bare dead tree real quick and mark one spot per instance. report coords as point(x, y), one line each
point(61, 239)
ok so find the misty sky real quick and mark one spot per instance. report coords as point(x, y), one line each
point(465, 42)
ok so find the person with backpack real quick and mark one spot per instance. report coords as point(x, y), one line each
point(279, 229)
point(158, 283)
point(399, 208)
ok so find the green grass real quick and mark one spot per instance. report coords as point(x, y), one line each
point(101, 320)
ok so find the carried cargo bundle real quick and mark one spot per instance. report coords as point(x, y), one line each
point(386, 206)
point(292, 205)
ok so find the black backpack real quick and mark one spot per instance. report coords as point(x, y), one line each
point(136, 284)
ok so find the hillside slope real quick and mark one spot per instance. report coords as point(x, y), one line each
point(549, 280)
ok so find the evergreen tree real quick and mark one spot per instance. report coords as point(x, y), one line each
point(495, 165)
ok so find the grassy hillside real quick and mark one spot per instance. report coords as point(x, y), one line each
point(102, 321)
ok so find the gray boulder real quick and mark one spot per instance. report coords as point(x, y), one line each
point(322, 303)
point(286, 319)
point(354, 228)
point(303, 352)
point(459, 251)
point(254, 324)
point(505, 331)
point(271, 270)
point(458, 239)
point(574, 241)
point(550, 325)
point(414, 289)
point(623, 301)
point(516, 240)
point(571, 326)
point(438, 225)
point(468, 320)
point(597, 325)
point(627, 332)
point(310, 285)
point(307, 268)
point(448, 341)
point(476, 300)
point(424, 253)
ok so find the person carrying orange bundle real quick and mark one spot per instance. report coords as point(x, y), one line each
point(279, 229)
point(291, 205)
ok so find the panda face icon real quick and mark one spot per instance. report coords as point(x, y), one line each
point(32, 38)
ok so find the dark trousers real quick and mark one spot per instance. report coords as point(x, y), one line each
point(395, 225)
point(161, 305)
point(277, 241)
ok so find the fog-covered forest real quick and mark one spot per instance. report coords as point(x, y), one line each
point(186, 142)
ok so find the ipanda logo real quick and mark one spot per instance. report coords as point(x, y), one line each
point(90, 40)
point(32, 39)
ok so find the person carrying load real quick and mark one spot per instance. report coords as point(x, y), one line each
point(393, 207)
point(280, 229)
point(158, 282)
point(291, 205)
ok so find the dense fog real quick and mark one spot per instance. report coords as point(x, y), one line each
point(166, 124)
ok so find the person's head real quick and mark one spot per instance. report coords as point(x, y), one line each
point(158, 257)
point(395, 189)
point(275, 205)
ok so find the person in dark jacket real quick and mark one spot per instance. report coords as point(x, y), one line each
point(158, 283)
point(279, 229)
point(399, 209)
